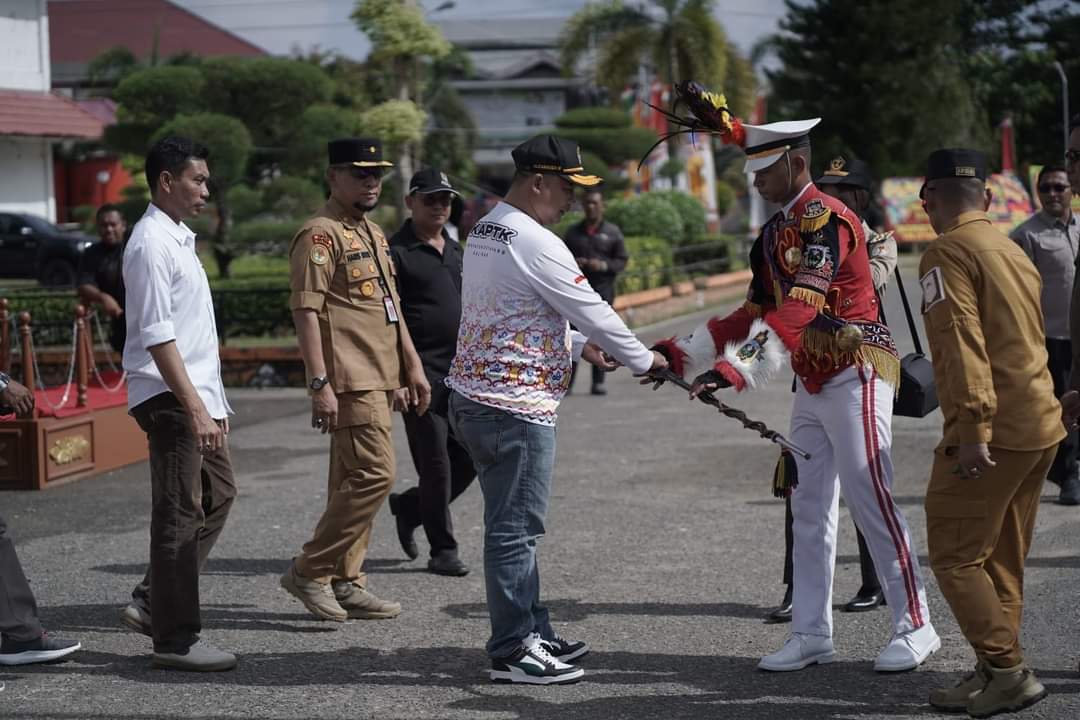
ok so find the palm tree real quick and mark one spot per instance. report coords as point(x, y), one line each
point(678, 39)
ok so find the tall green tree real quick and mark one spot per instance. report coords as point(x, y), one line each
point(893, 81)
point(402, 41)
point(676, 39)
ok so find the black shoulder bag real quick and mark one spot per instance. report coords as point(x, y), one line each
point(918, 394)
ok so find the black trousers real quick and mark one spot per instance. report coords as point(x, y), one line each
point(1059, 361)
point(870, 581)
point(18, 610)
point(191, 497)
point(445, 470)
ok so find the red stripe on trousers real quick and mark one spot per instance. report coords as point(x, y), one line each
point(884, 498)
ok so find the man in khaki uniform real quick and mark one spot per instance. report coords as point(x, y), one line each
point(983, 319)
point(356, 351)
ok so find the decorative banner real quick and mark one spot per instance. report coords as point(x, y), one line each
point(904, 214)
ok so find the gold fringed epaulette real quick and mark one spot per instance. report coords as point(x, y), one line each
point(815, 217)
point(752, 309)
point(808, 296)
point(820, 344)
point(785, 476)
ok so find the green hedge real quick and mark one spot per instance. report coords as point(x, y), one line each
point(647, 215)
point(692, 212)
point(649, 266)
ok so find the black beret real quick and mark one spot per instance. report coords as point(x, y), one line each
point(359, 152)
point(956, 163)
point(847, 171)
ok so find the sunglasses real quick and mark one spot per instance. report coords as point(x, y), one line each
point(438, 199)
point(363, 173)
point(1053, 187)
point(1072, 156)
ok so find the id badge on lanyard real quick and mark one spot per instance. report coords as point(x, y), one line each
point(391, 311)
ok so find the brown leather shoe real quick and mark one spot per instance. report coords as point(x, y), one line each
point(363, 605)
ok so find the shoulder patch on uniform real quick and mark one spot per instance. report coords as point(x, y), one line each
point(815, 216)
point(319, 254)
point(933, 288)
point(319, 238)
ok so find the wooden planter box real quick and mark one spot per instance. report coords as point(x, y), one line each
point(46, 451)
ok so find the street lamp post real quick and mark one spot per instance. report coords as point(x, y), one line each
point(1064, 102)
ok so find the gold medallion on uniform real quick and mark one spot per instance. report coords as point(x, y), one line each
point(793, 257)
point(319, 254)
point(367, 289)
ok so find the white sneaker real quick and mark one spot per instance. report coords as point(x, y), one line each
point(909, 650)
point(532, 664)
point(798, 652)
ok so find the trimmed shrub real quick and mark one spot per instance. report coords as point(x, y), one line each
point(692, 213)
point(269, 237)
point(649, 265)
point(647, 215)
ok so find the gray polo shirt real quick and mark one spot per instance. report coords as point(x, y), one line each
point(1052, 245)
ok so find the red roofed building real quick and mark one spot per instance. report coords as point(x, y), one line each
point(32, 118)
point(80, 30)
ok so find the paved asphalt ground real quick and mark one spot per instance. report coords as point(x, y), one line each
point(664, 551)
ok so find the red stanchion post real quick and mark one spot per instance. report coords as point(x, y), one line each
point(5, 337)
point(27, 345)
point(81, 355)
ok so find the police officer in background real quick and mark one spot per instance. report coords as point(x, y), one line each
point(600, 252)
point(1002, 425)
point(357, 352)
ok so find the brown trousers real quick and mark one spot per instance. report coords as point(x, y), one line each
point(979, 532)
point(361, 476)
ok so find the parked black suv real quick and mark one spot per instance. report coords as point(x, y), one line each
point(32, 247)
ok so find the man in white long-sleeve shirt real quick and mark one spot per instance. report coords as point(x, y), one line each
point(521, 287)
point(176, 395)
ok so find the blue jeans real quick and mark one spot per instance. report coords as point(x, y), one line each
point(514, 462)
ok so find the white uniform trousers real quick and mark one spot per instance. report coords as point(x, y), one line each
point(847, 429)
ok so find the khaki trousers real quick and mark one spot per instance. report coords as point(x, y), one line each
point(979, 532)
point(361, 476)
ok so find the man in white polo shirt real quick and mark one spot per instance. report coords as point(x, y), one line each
point(520, 286)
point(176, 395)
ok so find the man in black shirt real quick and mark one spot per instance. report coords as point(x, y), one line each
point(600, 252)
point(428, 265)
point(100, 280)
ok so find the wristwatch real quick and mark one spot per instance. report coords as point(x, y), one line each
point(318, 383)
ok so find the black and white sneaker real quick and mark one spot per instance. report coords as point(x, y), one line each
point(534, 665)
point(565, 650)
point(39, 650)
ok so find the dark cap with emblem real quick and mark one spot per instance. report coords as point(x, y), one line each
point(358, 152)
point(847, 171)
point(553, 156)
point(956, 163)
point(430, 180)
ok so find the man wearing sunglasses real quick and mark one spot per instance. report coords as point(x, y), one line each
point(428, 264)
point(1051, 238)
point(357, 351)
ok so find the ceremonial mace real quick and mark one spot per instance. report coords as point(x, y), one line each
point(666, 375)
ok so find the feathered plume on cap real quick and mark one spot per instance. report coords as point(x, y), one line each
point(708, 113)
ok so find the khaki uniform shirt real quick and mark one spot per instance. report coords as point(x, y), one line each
point(981, 310)
point(341, 269)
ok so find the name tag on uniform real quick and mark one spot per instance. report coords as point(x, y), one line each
point(355, 256)
point(391, 311)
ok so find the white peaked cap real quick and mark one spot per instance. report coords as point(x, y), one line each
point(765, 144)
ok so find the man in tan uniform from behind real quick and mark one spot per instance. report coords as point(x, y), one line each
point(984, 321)
point(356, 351)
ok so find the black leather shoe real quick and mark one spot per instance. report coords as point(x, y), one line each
point(450, 565)
point(598, 390)
point(405, 529)
point(781, 614)
point(1070, 491)
point(864, 601)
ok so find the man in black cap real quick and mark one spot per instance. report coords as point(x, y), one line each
point(1002, 424)
point(357, 351)
point(428, 265)
point(520, 287)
